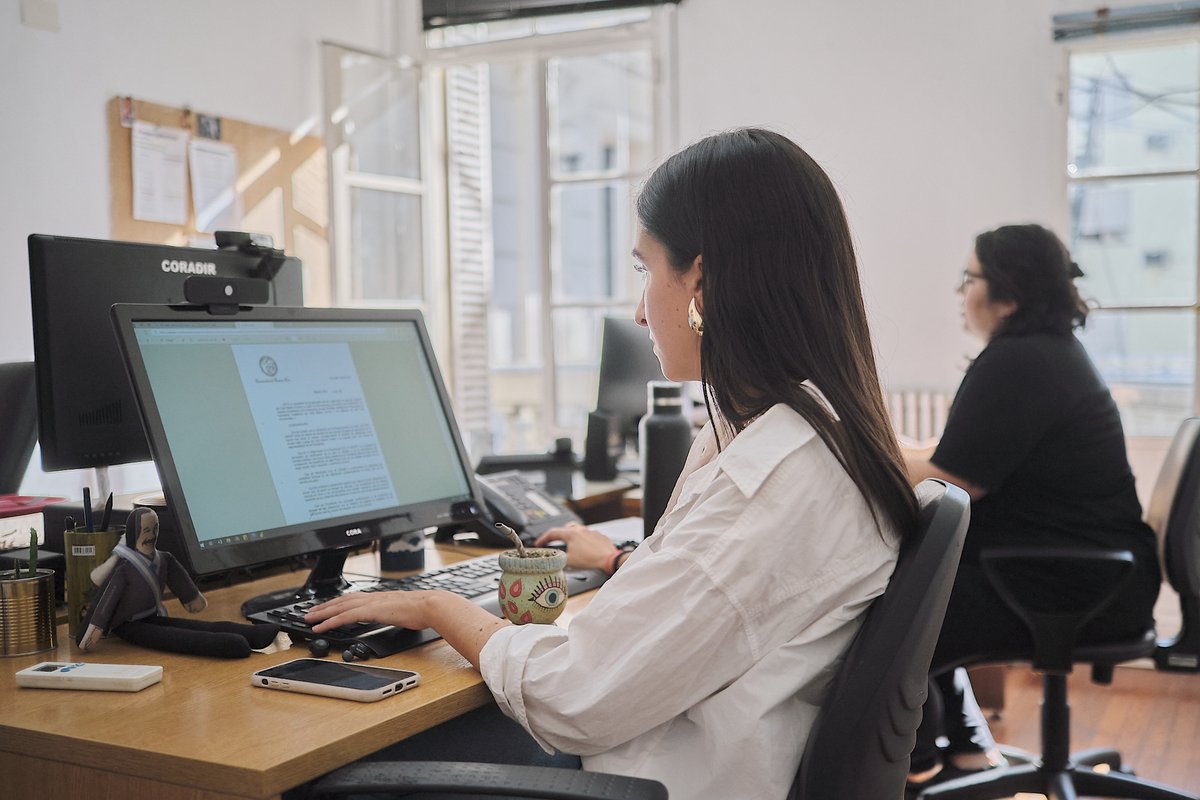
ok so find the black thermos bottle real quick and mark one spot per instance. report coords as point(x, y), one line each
point(664, 436)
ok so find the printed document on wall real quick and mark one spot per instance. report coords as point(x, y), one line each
point(214, 186)
point(159, 173)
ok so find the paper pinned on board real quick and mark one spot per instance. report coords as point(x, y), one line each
point(159, 173)
point(214, 186)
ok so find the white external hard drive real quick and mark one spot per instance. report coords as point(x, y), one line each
point(100, 677)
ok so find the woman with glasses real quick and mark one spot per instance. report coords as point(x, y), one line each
point(1034, 437)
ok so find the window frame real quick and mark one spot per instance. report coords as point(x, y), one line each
point(1115, 43)
point(658, 35)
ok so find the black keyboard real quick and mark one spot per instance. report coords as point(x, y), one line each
point(475, 579)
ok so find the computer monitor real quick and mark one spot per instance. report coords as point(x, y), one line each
point(627, 364)
point(86, 412)
point(288, 431)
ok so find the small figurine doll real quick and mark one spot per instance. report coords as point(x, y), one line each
point(129, 602)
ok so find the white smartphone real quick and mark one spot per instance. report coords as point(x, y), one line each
point(335, 679)
point(79, 675)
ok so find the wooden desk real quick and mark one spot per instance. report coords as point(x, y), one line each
point(204, 733)
point(631, 503)
point(598, 501)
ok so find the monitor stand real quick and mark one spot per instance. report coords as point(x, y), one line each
point(324, 580)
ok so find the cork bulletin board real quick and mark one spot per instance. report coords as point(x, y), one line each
point(282, 182)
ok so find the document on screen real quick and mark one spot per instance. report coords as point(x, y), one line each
point(319, 440)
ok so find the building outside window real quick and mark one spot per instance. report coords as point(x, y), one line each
point(1133, 171)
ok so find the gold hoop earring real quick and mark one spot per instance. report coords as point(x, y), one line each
point(695, 321)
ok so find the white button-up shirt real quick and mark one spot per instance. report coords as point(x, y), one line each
point(703, 661)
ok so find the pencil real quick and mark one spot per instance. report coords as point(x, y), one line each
point(107, 515)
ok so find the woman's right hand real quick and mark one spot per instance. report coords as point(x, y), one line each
point(408, 609)
point(586, 548)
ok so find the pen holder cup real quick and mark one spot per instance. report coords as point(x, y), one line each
point(534, 588)
point(27, 613)
point(85, 550)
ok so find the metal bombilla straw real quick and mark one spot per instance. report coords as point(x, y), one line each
point(511, 534)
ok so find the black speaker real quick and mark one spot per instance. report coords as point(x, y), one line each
point(601, 447)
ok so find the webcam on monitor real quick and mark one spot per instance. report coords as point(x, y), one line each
point(261, 245)
point(225, 295)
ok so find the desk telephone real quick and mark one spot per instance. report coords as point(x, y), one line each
point(516, 502)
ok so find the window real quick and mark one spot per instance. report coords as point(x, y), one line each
point(1134, 185)
point(558, 134)
point(489, 182)
point(379, 195)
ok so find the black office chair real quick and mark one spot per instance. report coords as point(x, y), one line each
point(857, 750)
point(420, 779)
point(860, 745)
point(1174, 513)
point(18, 432)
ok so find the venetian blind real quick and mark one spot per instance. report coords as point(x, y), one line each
point(469, 219)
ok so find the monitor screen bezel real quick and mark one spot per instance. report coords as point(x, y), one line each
point(75, 364)
point(293, 540)
point(626, 353)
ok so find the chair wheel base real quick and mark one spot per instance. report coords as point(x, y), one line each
point(1068, 784)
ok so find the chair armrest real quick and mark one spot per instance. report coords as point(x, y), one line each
point(499, 780)
point(1054, 622)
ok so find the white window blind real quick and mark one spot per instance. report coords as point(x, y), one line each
point(469, 198)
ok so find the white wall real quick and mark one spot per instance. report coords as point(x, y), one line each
point(254, 61)
point(936, 120)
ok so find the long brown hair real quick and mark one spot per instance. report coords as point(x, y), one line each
point(782, 300)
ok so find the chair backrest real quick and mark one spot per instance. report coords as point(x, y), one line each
point(18, 422)
point(859, 747)
point(1174, 510)
point(1174, 514)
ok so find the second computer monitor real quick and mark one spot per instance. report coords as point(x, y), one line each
point(627, 364)
point(86, 413)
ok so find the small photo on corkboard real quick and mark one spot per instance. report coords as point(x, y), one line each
point(282, 183)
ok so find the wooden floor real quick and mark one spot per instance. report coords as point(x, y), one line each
point(1152, 718)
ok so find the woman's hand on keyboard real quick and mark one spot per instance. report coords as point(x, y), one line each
point(586, 548)
point(406, 609)
point(465, 626)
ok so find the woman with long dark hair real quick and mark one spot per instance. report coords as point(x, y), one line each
point(1034, 437)
point(703, 660)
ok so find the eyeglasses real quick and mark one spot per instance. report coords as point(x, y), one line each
point(968, 278)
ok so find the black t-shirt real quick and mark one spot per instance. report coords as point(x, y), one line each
point(1034, 425)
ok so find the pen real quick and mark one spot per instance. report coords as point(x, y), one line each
point(68, 523)
point(104, 518)
point(87, 509)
